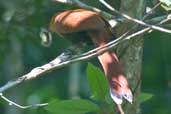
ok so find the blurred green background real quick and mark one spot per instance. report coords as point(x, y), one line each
point(21, 50)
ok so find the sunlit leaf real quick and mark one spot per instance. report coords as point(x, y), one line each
point(77, 106)
point(167, 2)
point(167, 8)
point(97, 81)
point(145, 97)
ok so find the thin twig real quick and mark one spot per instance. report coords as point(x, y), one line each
point(133, 19)
point(119, 107)
point(162, 22)
point(152, 9)
point(166, 19)
point(58, 63)
point(64, 1)
point(81, 4)
point(21, 106)
point(109, 16)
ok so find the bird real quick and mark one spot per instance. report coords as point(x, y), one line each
point(81, 26)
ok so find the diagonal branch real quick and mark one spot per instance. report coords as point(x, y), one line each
point(134, 19)
point(109, 16)
point(21, 106)
point(60, 61)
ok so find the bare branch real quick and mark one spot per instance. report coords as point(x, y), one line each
point(21, 106)
point(157, 19)
point(107, 5)
point(57, 63)
point(120, 109)
point(109, 16)
point(64, 1)
point(168, 18)
point(152, 9)
point(61, 62)
point(85, 6)
point(133, 19)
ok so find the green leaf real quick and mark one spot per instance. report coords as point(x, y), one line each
point(75, 106)
point(167, 8)
point(166, 2)
point(145, 97)
point(97, 81)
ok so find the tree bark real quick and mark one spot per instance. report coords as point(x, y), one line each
point(131, 52)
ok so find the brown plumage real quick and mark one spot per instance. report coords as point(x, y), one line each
point(97, 29)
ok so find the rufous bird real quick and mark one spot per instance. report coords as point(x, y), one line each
point(81, 26)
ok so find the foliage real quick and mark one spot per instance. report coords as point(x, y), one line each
point(145, 97)
point(97, 82)
point(166, 4)
point(20, 48)
point(99, 87)
point(77, 106)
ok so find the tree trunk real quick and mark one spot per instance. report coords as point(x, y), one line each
point(130, 52)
